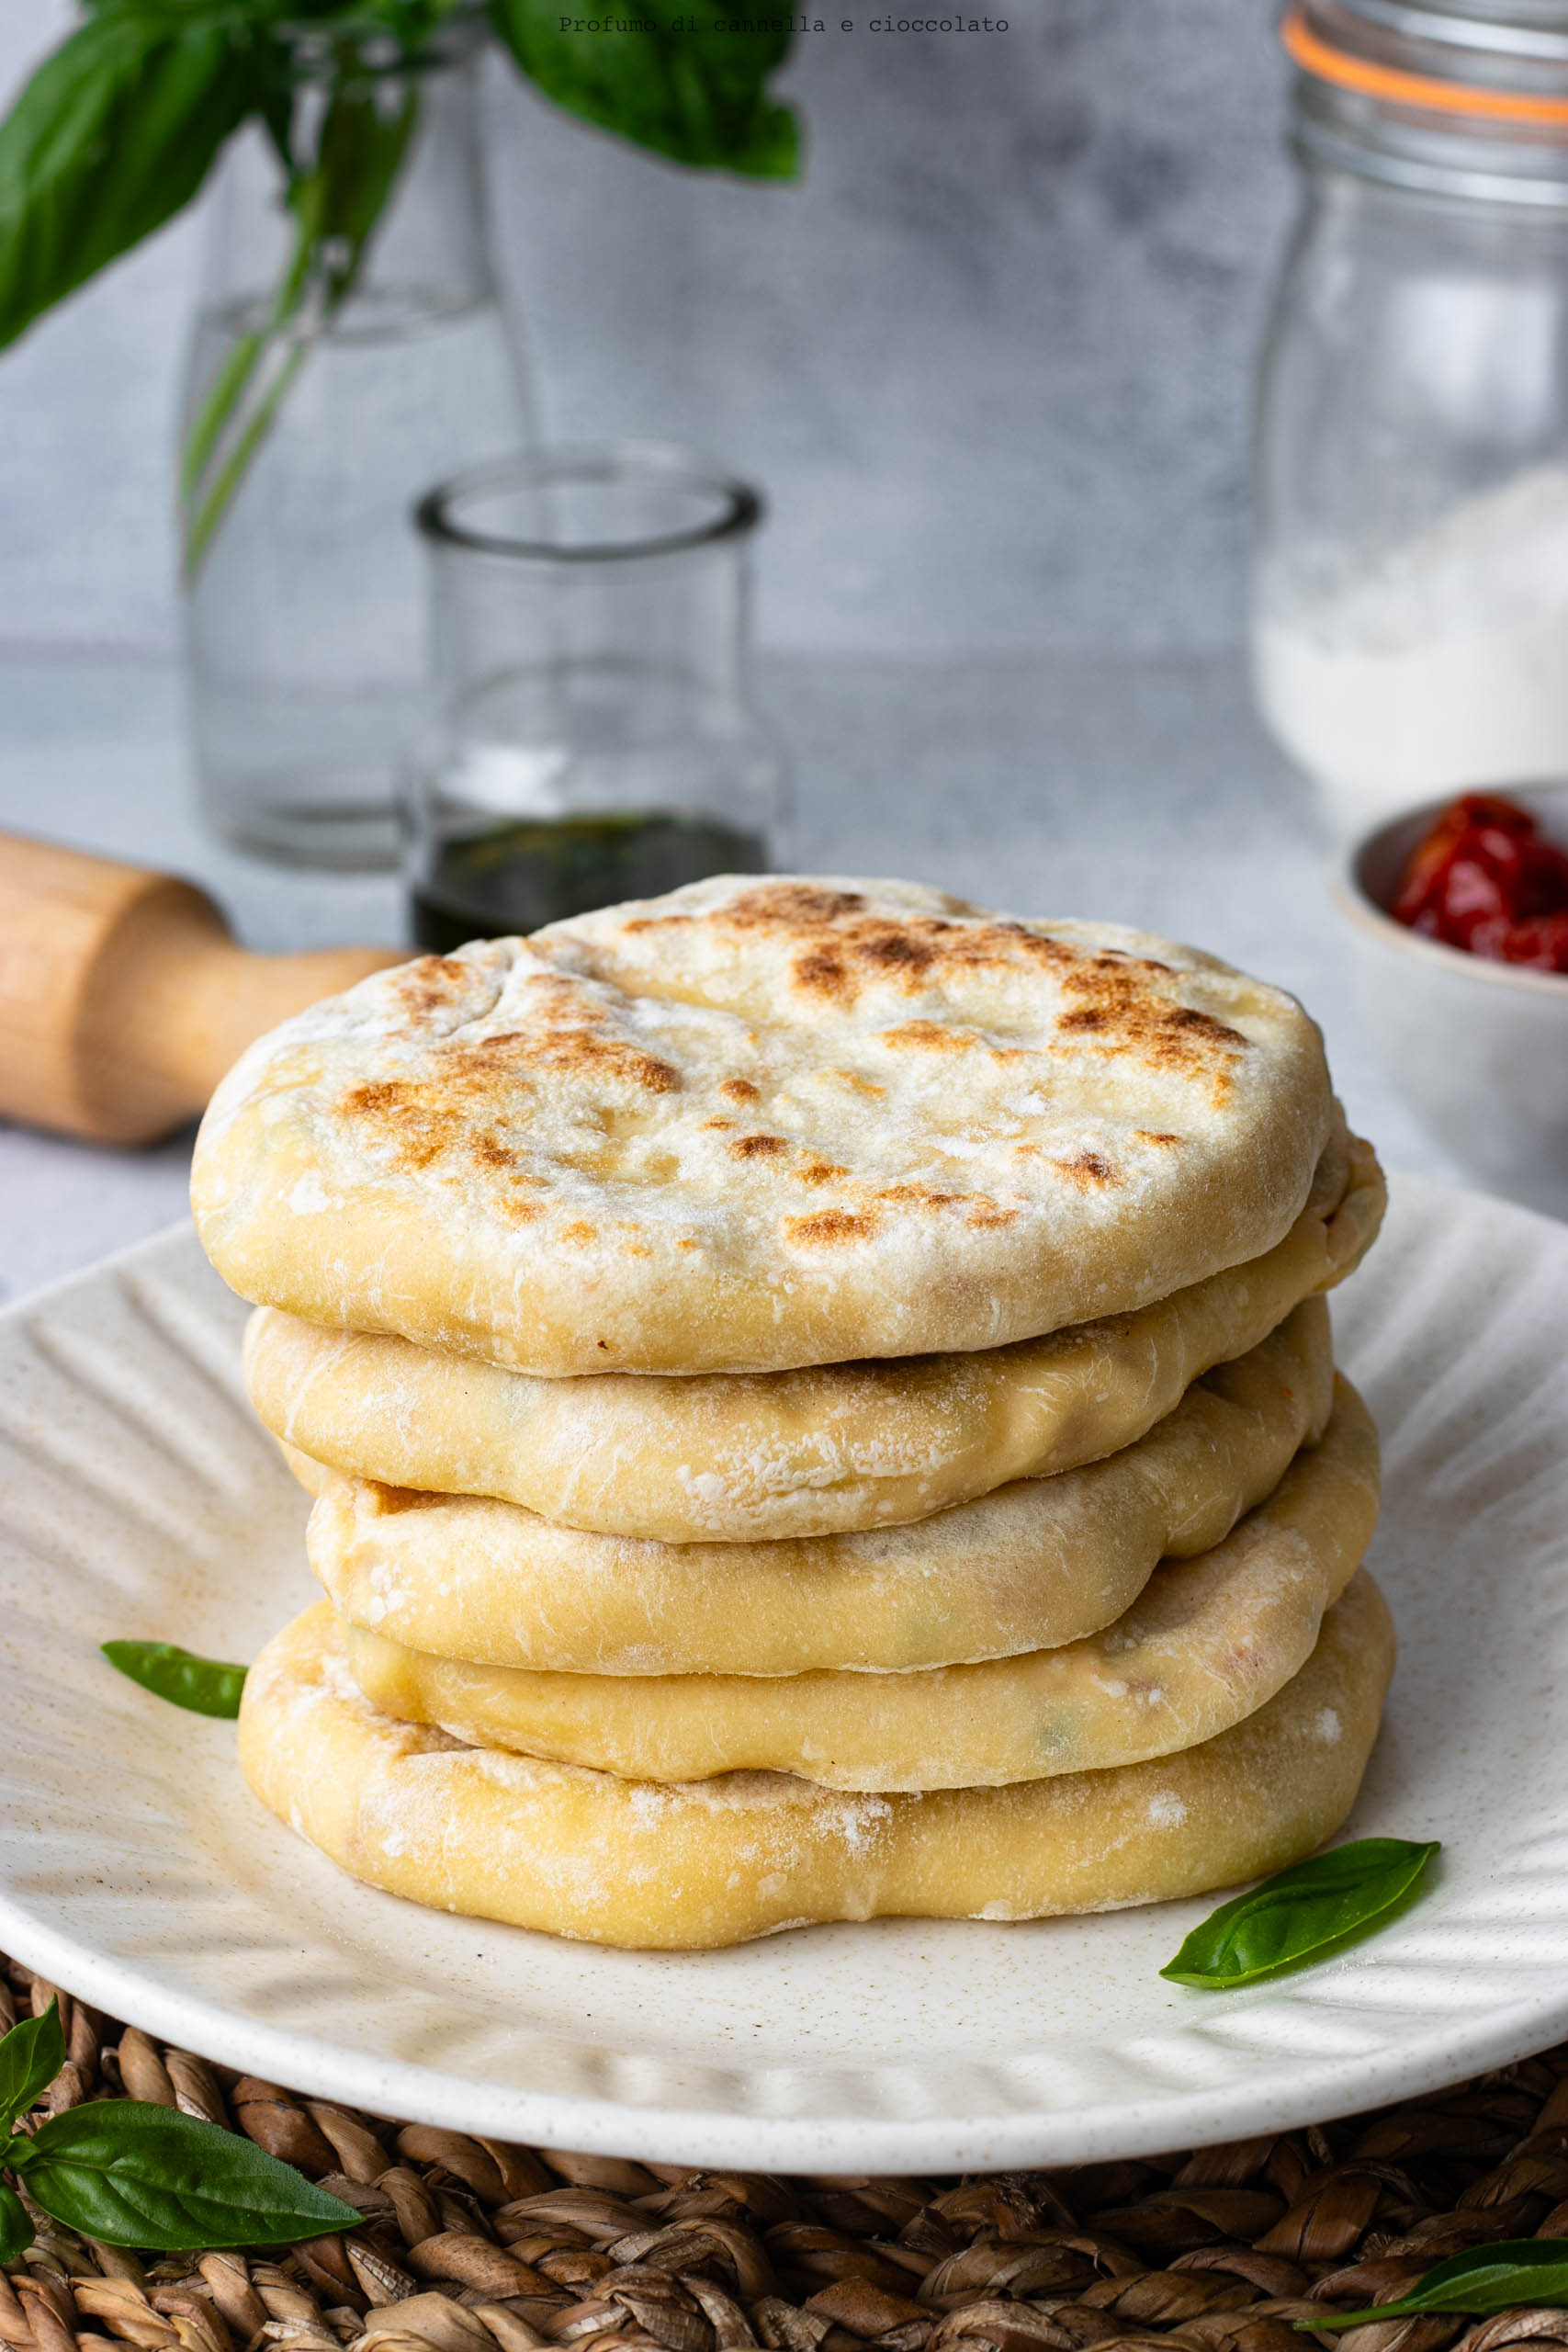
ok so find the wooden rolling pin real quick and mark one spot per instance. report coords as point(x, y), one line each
point(123, 999)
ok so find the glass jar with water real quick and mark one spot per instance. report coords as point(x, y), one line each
point(349, 349)
point(1410, 581)
point(592, 738)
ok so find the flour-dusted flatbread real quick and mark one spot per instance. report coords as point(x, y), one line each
point(727, 1456)
point(1027, 1568)
point(1205, 1644)
point(761, 1124)
point(635, 1863)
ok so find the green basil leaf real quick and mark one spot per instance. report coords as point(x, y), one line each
point(31, 2055)
point(112, 136)
point(205, 1685)
point(17, 2233)
point(150, 2177)
point(697, 95)
point(1298, 1913)
point(1488, 2278)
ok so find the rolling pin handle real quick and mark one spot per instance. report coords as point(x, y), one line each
point(123, 999)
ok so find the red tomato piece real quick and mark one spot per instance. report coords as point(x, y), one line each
point(1484, 878)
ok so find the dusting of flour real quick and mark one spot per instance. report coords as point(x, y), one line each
point(1446, 667)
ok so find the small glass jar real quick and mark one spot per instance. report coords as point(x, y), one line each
point(592, 738)
point(1409, 612)
point(326, 387)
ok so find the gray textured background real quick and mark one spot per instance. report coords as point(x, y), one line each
point(991, 360)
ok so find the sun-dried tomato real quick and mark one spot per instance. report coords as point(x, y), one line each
point(1485, 879)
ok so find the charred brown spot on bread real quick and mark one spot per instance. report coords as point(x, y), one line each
point(975, 1208)
point(785, 905)
point(1087, 1170)
point(741, 1089)
point(490, 1153)
point(822, 973)
point(869, 948)
point(548, 986)
point(1121, 1009)
point(471, 1091)
point(830, 1228)
point(721, 1126)
point(987, 1214)
point(841, 944)
point(479, 1059)
point(891, 949)
point(400, 1121)
point(821, 1171)
point(987, 945)
point(516, 1208)
point(1121, 1002)
point(579, 1233)
point(931, 1036)
point(842, 947)
point(1156, 1140)
point(375, 1097)
point(917, 1196)
point(431, 983)
point(757, 1147)
point(432, 971)
point(1187, 1016)
point(581, 1053)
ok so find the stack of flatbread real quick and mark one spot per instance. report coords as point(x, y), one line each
point(821, 1404)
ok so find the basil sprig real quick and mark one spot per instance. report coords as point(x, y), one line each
point(132, 2175)
point(1488, 2278)
point(117, 129)
point(207, 1686)
point(1296, 1914)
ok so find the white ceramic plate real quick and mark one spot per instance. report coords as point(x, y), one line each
point(141, 1499)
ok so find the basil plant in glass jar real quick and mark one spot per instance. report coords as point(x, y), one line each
point(349, 346)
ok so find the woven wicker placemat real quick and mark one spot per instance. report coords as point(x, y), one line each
point(472, 2245)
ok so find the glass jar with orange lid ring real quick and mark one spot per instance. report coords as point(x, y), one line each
point(1410, 579)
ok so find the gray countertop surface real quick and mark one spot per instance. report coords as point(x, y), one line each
point(1134, 787)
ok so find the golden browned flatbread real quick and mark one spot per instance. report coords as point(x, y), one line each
point(762, 1123)
point(1027, 1568)
point(1205, 1644)
point(635, 1863)
point(731, 1457)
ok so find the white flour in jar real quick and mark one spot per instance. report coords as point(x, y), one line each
point(1445, 668)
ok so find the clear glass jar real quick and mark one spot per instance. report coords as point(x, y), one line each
point(592, 737)
point(1409, 615)
point(304, 608)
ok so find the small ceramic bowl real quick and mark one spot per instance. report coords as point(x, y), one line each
point(1478, 1050)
